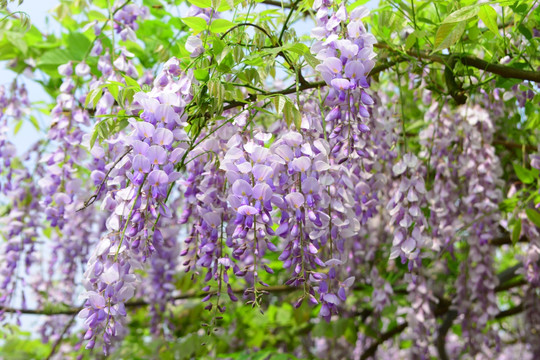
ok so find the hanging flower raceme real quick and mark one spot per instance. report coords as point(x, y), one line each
point(209, 215)
point(345, 49)
point(20, 225)
point(480, 166)
point(304, 219)
point(405, 207)
point(62, 194)
point(144, 177)
point(248, 170)
point(441, 148)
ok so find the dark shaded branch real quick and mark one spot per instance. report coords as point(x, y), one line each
point(506, 240)
point(59, 340)
point(504, 278)
point(440, 341)
point(277, 3)
point(140, 303)
point(468, 60)
point(454, 89)
point(306, 86)
point(504, 71)
point(503, 240)
point(260, 28)
point(284, 28)
point(510, 285)
point(94, 197)
point(370, 351)
point(511, 145)
point(510, 312)
point(501, 70)
point(508, 274)
point(442, 308)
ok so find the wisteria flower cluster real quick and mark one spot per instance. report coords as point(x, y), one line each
point(189, 179)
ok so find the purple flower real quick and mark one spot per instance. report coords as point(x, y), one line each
point(295, 200)
point(157, 155)
point(247, 210)
point(144, 129)
point(163, 137)
point(241, 188)
point(261, 173)
point(194, 46)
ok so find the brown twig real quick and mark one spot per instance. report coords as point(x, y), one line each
point(511, 145)
point(140, 303)
point(59, 340)
point(468, 60)
point(370, 351)
point(94, 197)
point(277, 3)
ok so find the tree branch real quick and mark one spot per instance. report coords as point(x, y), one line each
point(504, 278)
point(94, 197)
point(59, 340)
point(284, 28)
point(277, 3)
point(442, 309)
point(440, 341)
point(468, 60)
point(511, 145)
point(501, 70)
point(370, 351)
point(510, 312)
point(139, 303)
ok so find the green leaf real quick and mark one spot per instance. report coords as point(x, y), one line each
point(17, 126)
point(217, 46)
point(125, 94)
point(292, 114)
point(17, 40)
point(311, 60)
point(93, 138)
point(34, 122)
point(462, 14)
point(220, 25)
point(77, 45)
point(489, 16)
point(54, 57)
point(132, 83)
point(356, 4)
point(411, 40)
point(223, 6)
point(93, 97)
point(516, 232)
point(534, 216)
point(525, 176)
point(448, 34)
point(113, 89)
point(201, 3)
point(201, 74)
point(279, 102)
point(297, 48)
point(520, 8)
point(525, 31)
point(196, 23)
point(103, 129)
point(217, 92)
point(96, 15)
point(508, 205)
